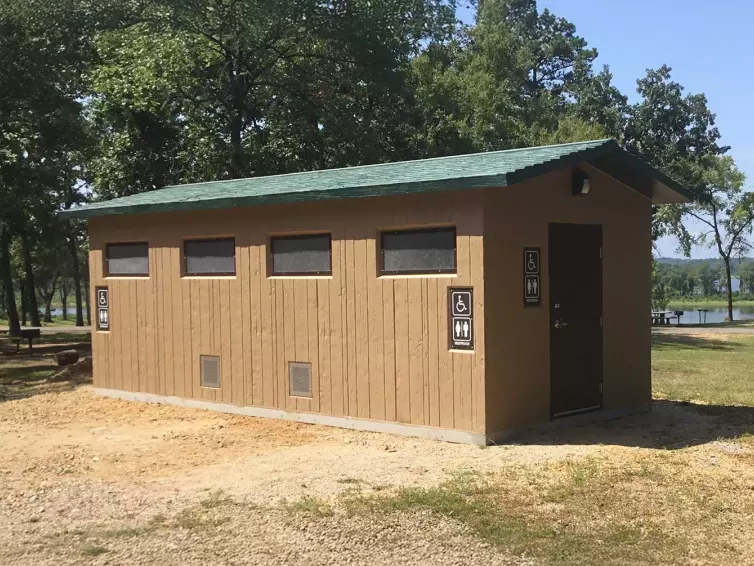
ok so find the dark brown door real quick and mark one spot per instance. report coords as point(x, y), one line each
point(575, 256)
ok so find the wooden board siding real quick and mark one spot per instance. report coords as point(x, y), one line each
point(378, 345)
point(518, 339)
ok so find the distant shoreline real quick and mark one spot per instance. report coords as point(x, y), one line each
point(708, 303)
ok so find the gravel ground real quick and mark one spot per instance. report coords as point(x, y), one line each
point(91, 480)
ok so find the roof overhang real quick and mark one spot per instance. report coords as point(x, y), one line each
point(473, 171)
point(641, 177)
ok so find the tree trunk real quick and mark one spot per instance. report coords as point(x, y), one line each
point(73, 250)
point(86, 300)
point(63, 294)
point(31, 293)
point(48, 310)
point(236, 158)
point(729, 284)
point(236, 121)
point(8, 291)
point(48, 297)
point(24, 303)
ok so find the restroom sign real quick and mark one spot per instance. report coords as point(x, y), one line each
point(532, 280)
point(103, 308)
point(461, 319)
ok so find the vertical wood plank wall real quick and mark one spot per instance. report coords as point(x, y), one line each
point(378, 345)
point(518, 365)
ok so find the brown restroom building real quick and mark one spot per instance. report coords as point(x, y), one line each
point(458, 298)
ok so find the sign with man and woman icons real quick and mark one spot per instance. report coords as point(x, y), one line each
point(532, 283)
point(461, 318)
point(103, 308)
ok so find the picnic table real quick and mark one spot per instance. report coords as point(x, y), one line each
point(29, 334)
point(663, 318)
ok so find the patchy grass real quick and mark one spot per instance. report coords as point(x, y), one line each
point(595, 511)
point(25, 373)
point(94, 550)
point(351, 481)
point(636, 507)
point(308, 505)
point(195, 519)
point(217, 498)
point(208, 514)
point(711, 369)
point(127, 532)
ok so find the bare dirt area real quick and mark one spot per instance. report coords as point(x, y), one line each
point(92, 480)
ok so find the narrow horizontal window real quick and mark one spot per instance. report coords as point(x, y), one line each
point(419, 251)
point(210, 257)
point(301, 255)
point(127, 259)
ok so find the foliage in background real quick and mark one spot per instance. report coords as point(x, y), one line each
point(104, 98)
point(45, 52)
point(726, 213)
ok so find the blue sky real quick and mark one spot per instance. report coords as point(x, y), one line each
point(709, 45)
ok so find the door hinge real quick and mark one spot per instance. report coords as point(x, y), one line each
point(600, 252)
point(600, 389)
point(600, 320)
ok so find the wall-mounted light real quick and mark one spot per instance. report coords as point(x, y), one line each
point(580, 183)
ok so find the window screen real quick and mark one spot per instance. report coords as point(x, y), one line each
point(210, 257)
point(128, 259)
point(298, 255)
point(419, 251)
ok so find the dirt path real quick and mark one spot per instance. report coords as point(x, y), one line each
point(79, 471)
point(91, 480)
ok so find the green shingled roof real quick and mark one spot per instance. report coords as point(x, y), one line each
point(492, 169)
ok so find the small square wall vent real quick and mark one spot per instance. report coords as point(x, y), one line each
point(300, 375)
point(210, 370)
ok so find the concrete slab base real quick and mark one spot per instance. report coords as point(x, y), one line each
point(446, 435)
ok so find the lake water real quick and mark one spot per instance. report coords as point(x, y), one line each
point(718, 314)
point(71, 312)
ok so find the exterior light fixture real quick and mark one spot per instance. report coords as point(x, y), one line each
point(580, 183)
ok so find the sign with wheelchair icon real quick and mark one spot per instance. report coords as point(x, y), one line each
point(461, 319)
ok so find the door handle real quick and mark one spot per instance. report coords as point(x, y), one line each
point(560, 323)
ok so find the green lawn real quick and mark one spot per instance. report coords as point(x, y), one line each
point(56, 321)
point(711, 368)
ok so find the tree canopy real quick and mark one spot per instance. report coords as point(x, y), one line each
point(103, 99)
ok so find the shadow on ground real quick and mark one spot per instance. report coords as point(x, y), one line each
point(25, 374)
point(689, 342)
point(670, 425)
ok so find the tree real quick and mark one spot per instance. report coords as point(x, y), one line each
point(513, 79)
point(660, 296)
point(44, 52)
point(208, 89)
point(596, 101)
point(727, 213)
point(675, 132)
point(49, 269)
point(707, 278)
point(746, 277)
